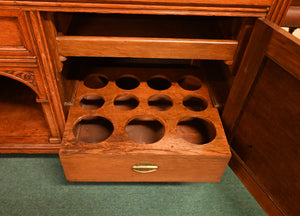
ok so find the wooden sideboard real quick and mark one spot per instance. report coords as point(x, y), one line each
point(35, 40)
point(252, 71)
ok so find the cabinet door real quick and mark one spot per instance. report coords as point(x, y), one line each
point(262, 119)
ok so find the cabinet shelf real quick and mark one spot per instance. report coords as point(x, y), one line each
point(146, 36)
point(23, 123)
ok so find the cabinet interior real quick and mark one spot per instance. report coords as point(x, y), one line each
point(147, 36)
point(22, 118)
point(83, 29)
point(156, 26)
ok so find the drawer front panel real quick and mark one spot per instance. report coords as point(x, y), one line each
point(118, 168)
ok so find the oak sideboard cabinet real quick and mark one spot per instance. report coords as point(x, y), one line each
point(156, 90)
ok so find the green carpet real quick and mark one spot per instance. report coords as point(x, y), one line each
point(35, 185)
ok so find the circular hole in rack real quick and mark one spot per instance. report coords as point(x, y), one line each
point(145, 129)
point(160, 102)
point(127, 83)
point(159, 83)
point(126, 102)
point(196, 130)
point(194, 103)
point(95, 81)
point(91, 102)
point(93, 129)
point(190, 82)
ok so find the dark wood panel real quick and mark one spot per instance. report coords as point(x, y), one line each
point(245, 175)
point(267, 137)
point(262, 116)
point(170, 26)
point(246, 75)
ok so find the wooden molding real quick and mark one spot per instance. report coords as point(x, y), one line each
point(53, 112)
point(278, 11)
point(30, 148)
point(195, 7)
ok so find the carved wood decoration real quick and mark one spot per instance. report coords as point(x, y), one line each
point(26, 77)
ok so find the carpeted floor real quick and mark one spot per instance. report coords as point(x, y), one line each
point(35, 185)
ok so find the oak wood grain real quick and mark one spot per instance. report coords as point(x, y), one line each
point(46, 73)
point(229, 8)
point(146, 47)
point(172, 144)
point(22, 119)
point(14, 39)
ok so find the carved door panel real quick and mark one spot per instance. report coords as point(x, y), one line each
point(262, 119)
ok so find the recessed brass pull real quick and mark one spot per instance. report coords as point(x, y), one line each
point(144, 167)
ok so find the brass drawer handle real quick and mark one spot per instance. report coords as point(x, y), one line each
point(144, 167)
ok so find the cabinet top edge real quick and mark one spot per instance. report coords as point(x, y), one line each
point(214, 3)
point(238, 8)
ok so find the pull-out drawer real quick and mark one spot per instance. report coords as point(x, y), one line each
point(144, 124)
point(146, 36)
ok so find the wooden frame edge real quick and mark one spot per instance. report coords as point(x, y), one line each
point(246, 177)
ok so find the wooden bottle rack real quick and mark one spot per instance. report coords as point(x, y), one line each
point(144, 124)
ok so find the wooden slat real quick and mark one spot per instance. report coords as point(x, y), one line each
point(138, 47)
